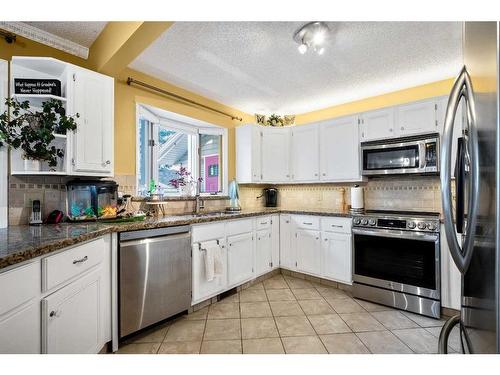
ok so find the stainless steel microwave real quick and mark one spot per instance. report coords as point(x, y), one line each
point(411, 155)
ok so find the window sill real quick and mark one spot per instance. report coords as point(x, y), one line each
point(179, 198)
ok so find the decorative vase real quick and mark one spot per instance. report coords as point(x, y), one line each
point(31, 165)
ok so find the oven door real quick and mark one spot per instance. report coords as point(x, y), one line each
point(402, 261)
point(396, 158)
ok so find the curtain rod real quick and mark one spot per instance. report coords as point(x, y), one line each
point(131, 81)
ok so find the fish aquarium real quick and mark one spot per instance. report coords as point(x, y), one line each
point(89, 200)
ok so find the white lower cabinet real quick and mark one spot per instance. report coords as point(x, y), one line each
point(240, 258)
point(308, 250)
point(288, 258)
point(451, 279)
point(72, 318)
point(336, 257)
point(20, 330)
point(263, 252)
point(275, 239)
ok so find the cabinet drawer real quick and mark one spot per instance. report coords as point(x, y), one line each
point(57, 269)
point(262, 222)
point(239, 226)
point(306, 222)
point(207, 232)
point(18, 286)
point(336, 224)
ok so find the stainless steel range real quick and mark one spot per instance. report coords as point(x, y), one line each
point(397, 260)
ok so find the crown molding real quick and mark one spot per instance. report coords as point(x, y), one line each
point(46, 38)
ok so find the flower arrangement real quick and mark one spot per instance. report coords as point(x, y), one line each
point(275, 120)
point(33, 131)
point(185, 181)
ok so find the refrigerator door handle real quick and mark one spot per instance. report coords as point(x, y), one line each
point(459, 186)
point(462, 88)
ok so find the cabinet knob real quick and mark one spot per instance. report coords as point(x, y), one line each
point(402, 128)
point(390, 130)
point(53, 314)
point(326, 239)
point(288, 175)
point(324, 174)
point(315, 174)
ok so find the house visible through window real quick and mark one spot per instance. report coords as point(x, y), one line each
point(170, 148)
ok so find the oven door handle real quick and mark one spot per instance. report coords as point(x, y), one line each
point(431, 237)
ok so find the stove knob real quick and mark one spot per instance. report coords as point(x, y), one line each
point(357, 221)
point(364, 221)
point(371, 222)
point(421, 225)
point(412, 225)
point(431, 226)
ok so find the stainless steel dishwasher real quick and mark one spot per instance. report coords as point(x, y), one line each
point(155, 276)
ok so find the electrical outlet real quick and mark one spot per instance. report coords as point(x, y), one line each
point(31, 196)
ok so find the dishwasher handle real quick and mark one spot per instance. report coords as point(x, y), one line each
point(144, 241)
point(156, 232)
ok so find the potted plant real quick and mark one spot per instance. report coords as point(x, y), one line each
point(33, 131)
point(185, 182)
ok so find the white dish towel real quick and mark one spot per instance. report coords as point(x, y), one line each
point(213, 259)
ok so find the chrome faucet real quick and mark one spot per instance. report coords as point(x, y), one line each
point(200, 203)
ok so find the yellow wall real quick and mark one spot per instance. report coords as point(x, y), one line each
point(126, 98)
point(394, 98)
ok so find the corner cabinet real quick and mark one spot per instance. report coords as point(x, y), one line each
point(93, 100)
point(89, 150)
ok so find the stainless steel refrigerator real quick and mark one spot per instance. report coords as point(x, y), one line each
point(476, 207)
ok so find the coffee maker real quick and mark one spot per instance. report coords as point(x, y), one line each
point(271, 197)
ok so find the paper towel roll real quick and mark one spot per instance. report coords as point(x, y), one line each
point(357, 198)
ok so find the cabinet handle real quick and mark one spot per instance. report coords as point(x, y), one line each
point(315, 174)
point(307, 223)
point(324, 174)
point(317, 238)
point(84, 259)
point(326, 239)
point(288, 175)
point(287, 221)
point(337, 226)
point(390, 130)
point(108, 162)
point(263, 223)
point(53, 314)
point(402, 128)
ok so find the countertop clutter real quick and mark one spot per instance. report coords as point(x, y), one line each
point(21, 243)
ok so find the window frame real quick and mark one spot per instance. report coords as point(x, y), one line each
point(196, 128)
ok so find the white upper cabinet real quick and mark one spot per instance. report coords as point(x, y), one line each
point(275, 154)
point(93, 99)
point(248, 154)
point(378, 124)
point(304, 153)
point(417, 118)
point(339, 150)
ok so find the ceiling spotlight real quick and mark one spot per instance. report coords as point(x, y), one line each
point(312, 35)
point(303, 48)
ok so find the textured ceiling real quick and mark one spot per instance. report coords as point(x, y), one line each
point(255, 66)
point(82, 33)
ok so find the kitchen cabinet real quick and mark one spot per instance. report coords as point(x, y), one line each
point(308, 250)
point(275, 239)
point(378, 124)
point(304, 153)
point(287, 251)
point(336, 257)
point(72, 317)
point(339, 150)
point(417, 118)
point(92, 97)
point(248, 154)
point(275, 154)
point(240, 258)
point(263, 252)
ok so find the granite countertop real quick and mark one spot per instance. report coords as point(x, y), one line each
point(22, 243)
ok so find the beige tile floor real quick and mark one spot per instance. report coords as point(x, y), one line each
point(290, 315)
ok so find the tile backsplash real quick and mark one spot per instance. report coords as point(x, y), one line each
point(402, 193)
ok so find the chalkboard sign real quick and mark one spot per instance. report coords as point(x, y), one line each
point(29, 86)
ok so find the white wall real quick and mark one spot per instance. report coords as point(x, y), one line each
point(3, 150)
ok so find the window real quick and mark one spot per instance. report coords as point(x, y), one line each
point(167, 147)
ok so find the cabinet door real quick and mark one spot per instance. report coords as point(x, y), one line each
point(288, 258)
point(337, 256)
point(248, 153)
point(305, 153)
point(417, 118)
point(20, 330)
point(93, 139)
point(263, 252)
point(240, 258)
point(377, 124)
point(202, 288)
point(451, 279)
point(72, 318)
point(339, 157)
point(307, 243)
point(275, 155)
point(275, 238)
